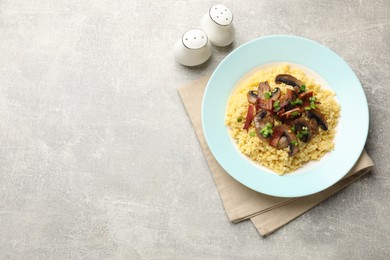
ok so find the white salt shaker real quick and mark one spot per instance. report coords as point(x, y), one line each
point(193, 48)
point(218, 25)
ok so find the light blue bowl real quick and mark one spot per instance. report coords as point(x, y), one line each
point(353, 124)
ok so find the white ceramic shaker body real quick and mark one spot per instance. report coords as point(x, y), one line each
point(218, 25)
point(193, 48)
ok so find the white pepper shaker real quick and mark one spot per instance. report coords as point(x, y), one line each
point(193, 48)
point(218, 25)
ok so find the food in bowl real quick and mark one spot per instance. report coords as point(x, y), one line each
point(282, 119)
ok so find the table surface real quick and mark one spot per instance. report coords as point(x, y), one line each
point(99, 159)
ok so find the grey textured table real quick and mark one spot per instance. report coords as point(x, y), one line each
point(99, 159)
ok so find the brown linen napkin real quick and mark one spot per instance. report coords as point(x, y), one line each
point(240, 202)
point(273, 220)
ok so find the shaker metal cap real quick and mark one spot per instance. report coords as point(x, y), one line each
point(194, 39)
point(221, 15)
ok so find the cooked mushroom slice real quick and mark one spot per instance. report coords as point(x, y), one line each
point(288, 80)
point(263, 124)
point(303, 129)
point(313, 113)
point(281, 131)
point(283, 143)
point(313, 125)
point(264, 104)
point(263, 88)
point(276, 94)
point(252, 96)
point(261, 114)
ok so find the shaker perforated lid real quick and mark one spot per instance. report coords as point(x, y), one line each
point(194, 39)
point(221, 15)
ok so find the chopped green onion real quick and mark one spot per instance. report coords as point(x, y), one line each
point(303, 88)
point(266, 130)
point(294, 142)
point(293, 128)
point(295, 113)
point(265, 133)
point(307, 108)
point(296, 102)
point(304, 132)
point(313, 102)
point(268, 94)
point(277, 104)
point(301, 133)
point(239, 119)
point(252, 134)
